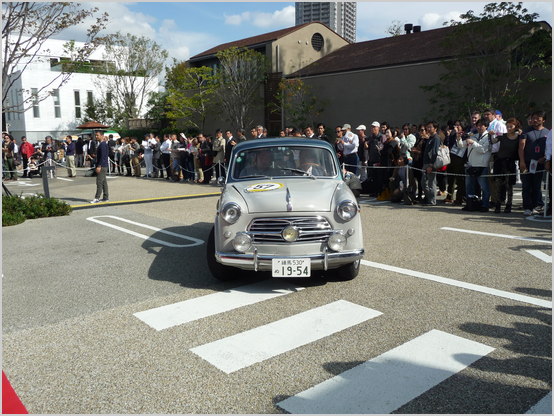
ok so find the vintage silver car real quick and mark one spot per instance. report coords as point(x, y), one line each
point(285, 208)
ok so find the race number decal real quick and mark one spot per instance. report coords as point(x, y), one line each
point(262, 187)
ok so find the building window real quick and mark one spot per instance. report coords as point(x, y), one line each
point(89, 98)
point(77, 104)
point(36, 110)
point(57, 110)
point(317, 42)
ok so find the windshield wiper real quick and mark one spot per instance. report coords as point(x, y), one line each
point(302, 172)
point(255, 176)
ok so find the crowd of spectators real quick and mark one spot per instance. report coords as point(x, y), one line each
point(488, 156)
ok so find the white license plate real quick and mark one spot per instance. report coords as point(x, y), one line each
point(291, 267)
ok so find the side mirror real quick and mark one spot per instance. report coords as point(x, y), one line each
point(221, 181)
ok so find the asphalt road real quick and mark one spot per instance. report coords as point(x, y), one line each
point(439, 320)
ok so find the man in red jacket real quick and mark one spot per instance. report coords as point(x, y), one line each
point(27, 150)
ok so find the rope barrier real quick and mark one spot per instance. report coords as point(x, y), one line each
point(442, 173)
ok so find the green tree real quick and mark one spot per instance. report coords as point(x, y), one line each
point(238, 84)
point(500, 58)
point(190, 93)
point(26, 26)
point(159, 110)
point(138, 62)
point(102, 112)
point(300, 105)
point(396, 28)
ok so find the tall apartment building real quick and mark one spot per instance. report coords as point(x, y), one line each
point(339, 16)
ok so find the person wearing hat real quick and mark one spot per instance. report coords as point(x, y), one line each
point(373, 144)
point(349, 145)
point(362, 152)
point(499, 117)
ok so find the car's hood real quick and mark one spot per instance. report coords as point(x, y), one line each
point(271, 195)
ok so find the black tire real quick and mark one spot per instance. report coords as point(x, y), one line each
point(348, 272)
point(218, 270)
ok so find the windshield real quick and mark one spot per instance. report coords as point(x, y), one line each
point(281, 161)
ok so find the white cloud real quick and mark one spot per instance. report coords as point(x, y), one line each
point(430, 20)
point(284, 17)
point(237, 19)
point(120, 19)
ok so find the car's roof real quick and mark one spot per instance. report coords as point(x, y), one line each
point(281, 141)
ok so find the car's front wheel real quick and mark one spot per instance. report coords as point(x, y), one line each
point(218, 270)
point(349, 271)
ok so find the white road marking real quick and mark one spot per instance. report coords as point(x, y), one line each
point(385, 383)
point(20, 183)
point(65, 179)
point(201, 307)
point(259, 344)
point(464, 285)
point(195, 241)
point(540, 255)
point(543, 407)
point(513, 237)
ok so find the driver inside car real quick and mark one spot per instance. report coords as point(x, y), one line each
point(264, 159)
point(308, 163)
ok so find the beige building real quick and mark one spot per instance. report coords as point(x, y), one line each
point(287, 50)
point(378, 80)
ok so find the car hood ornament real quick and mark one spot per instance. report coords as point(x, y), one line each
point(289, 200)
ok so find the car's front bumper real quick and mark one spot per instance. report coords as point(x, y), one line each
point(262, 262)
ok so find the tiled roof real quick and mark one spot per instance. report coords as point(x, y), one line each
point(404, 49)
point(255, 40)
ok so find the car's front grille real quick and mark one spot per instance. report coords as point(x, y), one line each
point(311, 229)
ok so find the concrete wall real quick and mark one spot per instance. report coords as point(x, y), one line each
point(388, 94)
point(295, 50)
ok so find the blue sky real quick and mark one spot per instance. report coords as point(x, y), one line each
point(188, 28)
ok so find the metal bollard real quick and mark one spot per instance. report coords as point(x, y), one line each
point(45, 170)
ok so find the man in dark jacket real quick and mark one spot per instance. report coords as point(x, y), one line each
point(102, 160)
point(322, 136)
point(429, 157)
point(363, 152)
point(532, 147)
point(372, 145)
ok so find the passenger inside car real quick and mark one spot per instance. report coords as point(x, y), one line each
point(262, 167)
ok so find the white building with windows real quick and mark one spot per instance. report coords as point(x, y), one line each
point(60, 113)
point(338, 16)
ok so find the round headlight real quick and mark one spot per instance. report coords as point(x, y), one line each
point(347, 210)
point(290, 234)
point(242, 243)
point(231, 213)
point(337, 241)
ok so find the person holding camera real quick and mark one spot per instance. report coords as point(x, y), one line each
point(477, 167)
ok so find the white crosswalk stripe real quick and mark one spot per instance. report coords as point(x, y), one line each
point(190, 310)
point(385, 383)
point(259, 344)
point(380, 385)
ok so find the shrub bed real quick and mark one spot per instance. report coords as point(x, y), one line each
point(16, 209)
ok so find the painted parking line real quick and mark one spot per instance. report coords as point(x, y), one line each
point(540, 255)
point(193, 309)
point(464, 285)
point(194, 241)
point(513, 237)
point(385, 383)
point(259, 344)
